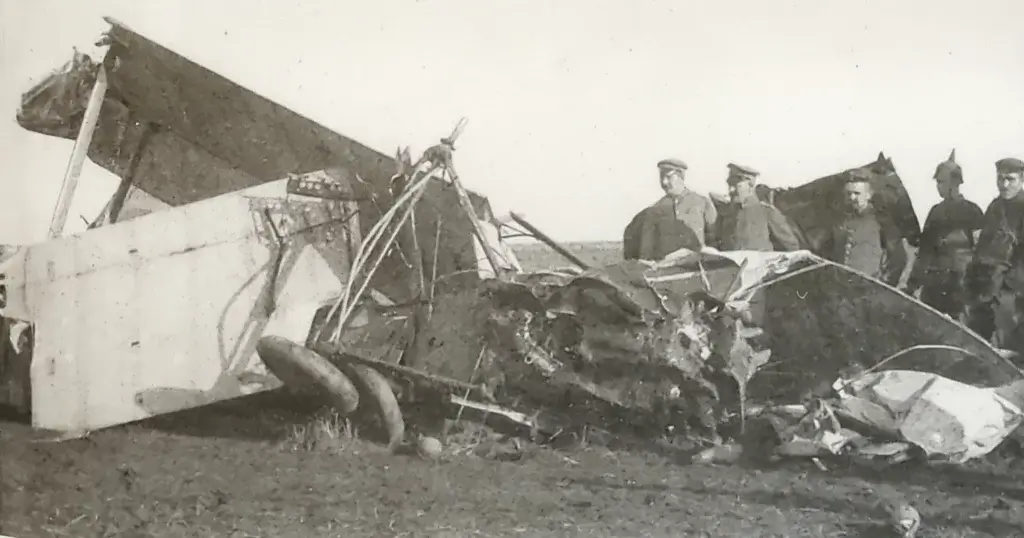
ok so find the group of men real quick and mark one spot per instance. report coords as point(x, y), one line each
point(969, 262)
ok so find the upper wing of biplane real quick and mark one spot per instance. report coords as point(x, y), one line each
point(182, 133)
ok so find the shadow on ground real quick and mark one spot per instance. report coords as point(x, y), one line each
point(266, 416)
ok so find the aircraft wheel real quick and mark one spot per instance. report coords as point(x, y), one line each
point(297, 366)
point(374, 386)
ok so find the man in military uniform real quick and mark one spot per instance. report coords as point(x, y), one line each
point(947, 244)
point(748, 223)
point(863, 238)
point(996, 273)
point(681, 219)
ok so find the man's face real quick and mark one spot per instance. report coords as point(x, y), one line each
point(945, 183)
point(673, 181)
point(858, 196)
point(1009, 183)
point(740, 190)
point(945, 186)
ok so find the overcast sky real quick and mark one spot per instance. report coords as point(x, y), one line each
point(571, 103)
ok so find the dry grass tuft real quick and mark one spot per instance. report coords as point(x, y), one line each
point(326, 431)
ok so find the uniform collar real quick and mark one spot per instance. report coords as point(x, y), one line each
point(686, 192)
point(749, 201)
point(869, 212)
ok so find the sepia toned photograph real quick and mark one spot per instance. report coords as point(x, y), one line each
point(453, 268)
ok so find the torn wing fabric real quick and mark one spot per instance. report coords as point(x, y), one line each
point(947, 419)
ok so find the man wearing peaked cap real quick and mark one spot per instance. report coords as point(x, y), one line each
point(680, 219)
point(996, 273)
point(862, 238)
point(672, 164)
point(748, 223)
point(947, 243)
point(738, 172)
point(1010, 165)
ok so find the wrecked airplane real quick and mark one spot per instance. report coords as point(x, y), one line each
point(235, 218)
point(248, 247)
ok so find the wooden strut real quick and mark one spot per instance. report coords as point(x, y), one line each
point(117, 201)
point(547, 240)
point(467, 206)
point(78, 155)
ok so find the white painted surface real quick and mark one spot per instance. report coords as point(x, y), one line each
point(162, 312)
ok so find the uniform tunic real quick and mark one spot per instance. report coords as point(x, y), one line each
point(998, 264)
point(869, 243)
point(755, 225)
point(946, 248)
point(671, 223)
point(1002, 228)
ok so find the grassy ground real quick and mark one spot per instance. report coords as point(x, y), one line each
point(245, 469)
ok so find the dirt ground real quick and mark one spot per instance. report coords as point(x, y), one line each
point(237, 471)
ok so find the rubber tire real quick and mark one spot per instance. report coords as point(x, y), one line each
point(298, 366)
point(376, 387)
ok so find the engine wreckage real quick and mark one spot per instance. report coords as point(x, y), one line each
point(430, 309)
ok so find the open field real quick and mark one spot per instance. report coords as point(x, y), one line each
point(271, 466)
point(534, 255)
point(240, 470)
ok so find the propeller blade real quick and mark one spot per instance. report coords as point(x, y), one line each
point(458, 130)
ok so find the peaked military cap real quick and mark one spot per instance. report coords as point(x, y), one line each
point(738, 172)
point(1010, 164)
point(671, 164)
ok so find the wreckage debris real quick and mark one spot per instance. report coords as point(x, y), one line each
point(897, 415)
point(636, 347)
point(607, 348)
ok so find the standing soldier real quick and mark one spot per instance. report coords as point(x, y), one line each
point(681, 219)
point(947, 244)
point(750, 224)
point(863, 238)
point(997, 270)
point(747, 223)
